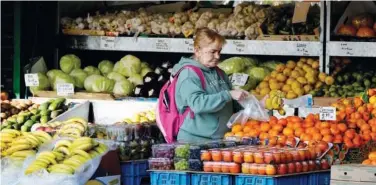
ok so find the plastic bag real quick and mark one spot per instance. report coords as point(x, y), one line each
point(253, 109)
point(80, 177)
point(10, 171)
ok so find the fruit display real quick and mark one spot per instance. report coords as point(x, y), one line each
point(73, 127)
point(19, 145)
point(274, 101)
point(294, 79)
point(181, 164)
point(163, 151)
point(141, 117)
point(67, 156)
point(10, 108)
point(371, 160)
point(129, 76)
point(242, 22)
point(161, 164)
point(42, 113)
point(362, 25)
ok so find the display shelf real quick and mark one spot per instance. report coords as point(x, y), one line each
point(181, 45)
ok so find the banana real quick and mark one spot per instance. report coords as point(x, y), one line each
point(43, 160)
point(48, 154)
point(93, 153)
point(17, 158)
point(85, 147)
point(62, 166)
point(75, 160)
point(275, 104)
point(15, 132)
point(50, 159)
point(6, 138)
point(16, 148)
point(32, 169)
point(82, 153)
point(40, 163)
point(63, 150)
point(79, 158)
point(59, 170)
point(59, 155)
point(23, 153)
point(80, 120)
point(7, 134)
point(63, 142)
point(33, 140)
point(42, 134)
point(75, 125)
point(73, 131)
point(72, 163)
point(3, 145)
point(21, 141)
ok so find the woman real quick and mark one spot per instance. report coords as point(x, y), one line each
point(213, 106)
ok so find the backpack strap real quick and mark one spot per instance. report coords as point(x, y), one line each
point(220, 73)
point(197, 70)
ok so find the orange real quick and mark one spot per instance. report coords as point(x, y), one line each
point(328, 138)
point(350, 134)
point(288, 132)
point(324, 125)
point(265, 127)
point(282, 121)
point(372, 156)
point(367, 162)
point(367, 137)
point(277, 127)
point(325, 131)
point(365, 127)
point(239, 134)
point(306, 137)
point(317, 137)
point(263, 135)
point(298, 132)
point(247, 129)
point(236, 128)
point(349, 144)
point(308, 124)
point(273, 133)
point(296, 125)
point(228, 134)
point(334, 131)
point(290, 125)
point(273, 120)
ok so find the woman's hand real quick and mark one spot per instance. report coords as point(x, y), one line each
point(238, 94)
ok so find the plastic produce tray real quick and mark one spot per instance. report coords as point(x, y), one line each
point(170, 178)
point(211, 179)
point(132, 172)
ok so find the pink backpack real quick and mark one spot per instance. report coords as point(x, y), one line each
point(168, 118)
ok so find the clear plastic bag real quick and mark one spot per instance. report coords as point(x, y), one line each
point(80, 177)
point(253, 109)
point(10, 171)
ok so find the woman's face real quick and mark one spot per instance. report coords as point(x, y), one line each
point(209, 55)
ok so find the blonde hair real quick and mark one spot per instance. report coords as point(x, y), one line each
point(206, 36)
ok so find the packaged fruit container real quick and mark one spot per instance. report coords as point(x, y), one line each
point(208, 166)
point(226, 155)
point(246, 168)
point(163, 151)
point(216, 155)
point(217, 167)
point(181, 164)
point(205, 155)
point(194, 165)
point(182, 151)
point(161, 164)
point(234, 167)
point(119, 132)
point(225, 168)
point(237, 156)
point(248, 156)
point(258, 157)
point(194, 152)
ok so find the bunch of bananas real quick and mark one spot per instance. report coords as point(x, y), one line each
point(67, 156)
point(274, 101)
point(19, 145)
point(141, 117)
point(73, 127)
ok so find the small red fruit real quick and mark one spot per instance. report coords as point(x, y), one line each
point(291, 168)
point(282, 169)
point(298, 167)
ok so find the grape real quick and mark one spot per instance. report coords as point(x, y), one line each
point(182, 151)
point(181, 164)
point(195, 165)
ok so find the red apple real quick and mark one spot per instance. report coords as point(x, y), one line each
point(298, 167)
point(291, 168)
point(40, 128)
point(346, 30)
point(282, 169)
point(324, 164)
point(48, 129)
point(311, 165)
point(305, 166)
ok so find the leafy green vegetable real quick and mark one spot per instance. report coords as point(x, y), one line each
point(232, 65)
point(51, 74)
point(128, 66)
point(91, 70)
point(272, 64)
point(44, 84)
point(136, 79)
point(258, 73)
point(62, 78)
point(69, 62)
point(89, 81)
point(79, 76)
point(103, 84)
point(115, 76)
point(124, 88)
point(145, 71)
point(105, 67)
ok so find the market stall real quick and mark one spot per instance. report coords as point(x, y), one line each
point(90, 116)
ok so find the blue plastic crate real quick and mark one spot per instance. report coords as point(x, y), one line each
point(261, 180)
point(134, 180)
point(169, 178)
point(319, 178)
point(134, 168)
point(211, 179)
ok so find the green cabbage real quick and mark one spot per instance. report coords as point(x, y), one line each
point(105, 67)
point(249, 62)
point(272, 64)
point(103, 84)
point(128, 65)
point(79, 76)
point(232, 65)
point(144, 65)
point(91, 70)
point(69, 62)
point(258, 73)
point(145, 71)
point(136, 79)
point(115, 76)
point(62, 78)
point(51, 74)
point(89, 81)
point(123, 88)
point(44, 84)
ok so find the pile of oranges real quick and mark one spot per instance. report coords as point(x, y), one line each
point(371, 159)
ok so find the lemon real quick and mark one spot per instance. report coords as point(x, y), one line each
point(267, 78)
point(307, 88)
point(280, 77)
point(286, 88)
point(318, 84)
point(291, 95)
point(274, 74)
point(295, 74)
point(264, 85)
point(303, 59)
point(296, 85)
point(299, 64)
point(287, 72)
point(280, 67)
point(290, 80)
point(302, 80)
point(329, 80)
point(264, 91)
point(310, 61)
point(273, 80)
point(274, 86)
point(315, 65)
point(298, 91)
point(322, 76)
point(290, 64)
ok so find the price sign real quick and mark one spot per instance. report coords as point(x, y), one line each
point(107, 42)
point(65, 89)
point(162, 45)
point(239, 79)
point(239, 46)
point(302, 49)
point(188, 44)
point(346, 49)
point(328, 113)
point(31, 79)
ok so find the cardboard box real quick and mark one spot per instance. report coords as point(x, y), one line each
point(335, 182)
point(345, 173)
point(108, 180)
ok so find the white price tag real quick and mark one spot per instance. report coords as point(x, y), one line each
point(188, 44)
point(239, 46)
point(346, 49)
point(65, 89)
point(31, 79)
point(107, 42)
point(328, 113)
point(162, 45)
point(302, 49)
point(239, 79)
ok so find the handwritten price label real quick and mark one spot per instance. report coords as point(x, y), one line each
point(239, 79)
point(328, 113)
point(107, 42)
point(348, 50)
point(189, 45)
point(162, 45)
point(302, 49)
point(31, 79)
point(239, 46)
point(65, 89)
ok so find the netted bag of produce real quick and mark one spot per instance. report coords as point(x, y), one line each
point(65, 161)
point(10, 171)
point(253, 109)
